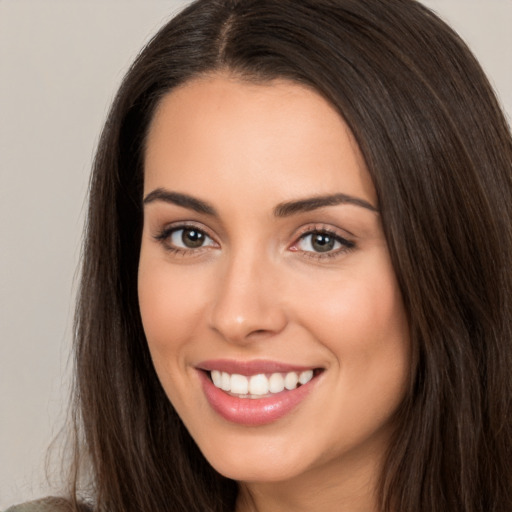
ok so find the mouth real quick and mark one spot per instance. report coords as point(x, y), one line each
point(256, 393)
point(260, 385)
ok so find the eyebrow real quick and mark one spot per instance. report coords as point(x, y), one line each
point(179, 199)
point(285, 209)
point(313, 203)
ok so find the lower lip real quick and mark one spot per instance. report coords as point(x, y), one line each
point(253, 411)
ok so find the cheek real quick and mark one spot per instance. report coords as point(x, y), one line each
point(358, 310)
point(361, 320)
point(170, 303)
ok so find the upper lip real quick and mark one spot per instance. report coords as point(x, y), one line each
point(253, 367)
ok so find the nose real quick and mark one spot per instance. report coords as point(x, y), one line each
point(248, 303)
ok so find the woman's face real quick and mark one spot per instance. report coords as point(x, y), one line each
point(263, 263)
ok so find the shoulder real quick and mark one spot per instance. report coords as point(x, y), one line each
point(44, 505)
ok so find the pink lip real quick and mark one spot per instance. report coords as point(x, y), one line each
point(250, 367)
point(248, 411)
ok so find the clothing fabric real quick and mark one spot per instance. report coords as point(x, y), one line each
point(44, 505)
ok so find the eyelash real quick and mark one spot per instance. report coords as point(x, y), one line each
point(345, 245)
point(164, 235)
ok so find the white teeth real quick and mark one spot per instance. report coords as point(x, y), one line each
point(259, 385)
point(291, 380)
point(239, 384)
point(306, 376)
point(225, 383)
point(276, 383)
point(217, 378)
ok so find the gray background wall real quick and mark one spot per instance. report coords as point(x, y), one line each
point(60, 64)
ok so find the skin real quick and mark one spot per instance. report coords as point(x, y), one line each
point(258, 289)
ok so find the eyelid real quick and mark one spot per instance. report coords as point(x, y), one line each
point(339, 235)
point(174, 232)
point(163, 234)
point(323, 228)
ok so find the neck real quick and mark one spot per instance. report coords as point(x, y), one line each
point(328, 489)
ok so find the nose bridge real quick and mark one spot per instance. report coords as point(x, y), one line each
point(247, 300)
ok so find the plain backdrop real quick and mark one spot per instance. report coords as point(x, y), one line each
point(60, 64)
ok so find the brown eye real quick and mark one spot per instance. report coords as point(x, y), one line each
point(189, 238)
point(192, 238)
point(319, 242)
point(323, 242)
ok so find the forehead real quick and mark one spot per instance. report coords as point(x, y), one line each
point(222, 131)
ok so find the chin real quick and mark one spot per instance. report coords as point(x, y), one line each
point(269, 458)
point(260, 470)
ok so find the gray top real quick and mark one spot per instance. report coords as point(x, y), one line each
point(44, 505)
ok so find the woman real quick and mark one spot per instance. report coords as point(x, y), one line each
point(296, 281)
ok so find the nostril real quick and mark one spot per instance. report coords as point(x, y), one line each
point(259, 332)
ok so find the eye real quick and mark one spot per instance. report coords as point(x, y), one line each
point(322, 242)
point(184, 238)
point(189, 238)
point(318, 242)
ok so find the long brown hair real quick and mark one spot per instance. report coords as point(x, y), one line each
point(440, 154)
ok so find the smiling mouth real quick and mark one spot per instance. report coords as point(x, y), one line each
point(260, 385)
point(275, 389)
